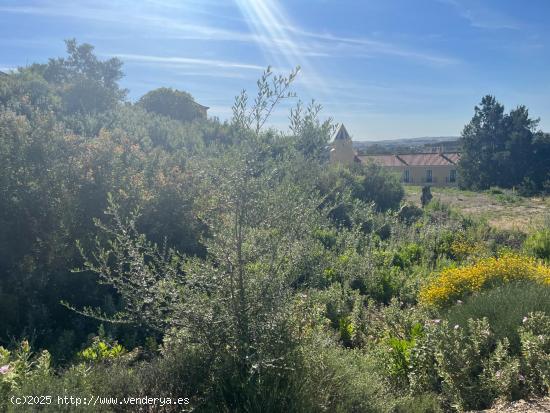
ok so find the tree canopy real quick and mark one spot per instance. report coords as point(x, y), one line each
point(175, 104)
point(503, 149)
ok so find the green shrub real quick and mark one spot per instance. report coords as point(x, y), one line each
point(527, 187)
point(470, 369)
point(75, 381)
point(538, 244)
point(399, 355)
point(379, 186)
point(535, 352)
point(495, 190)
point(101, 349)
point(346, 329)
point(367, 183)
point(507, 198)
point(326, 237)
point(504, 307)
point(501, 375)
point(409, 213)
point(424, 403)
point(449, 360)
point(19, 366)
point(342, 380)
point(500, 239)
point(408, 255)
point(437, 208)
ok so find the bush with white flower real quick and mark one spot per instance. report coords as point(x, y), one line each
point(20, 365)
point(471, 369)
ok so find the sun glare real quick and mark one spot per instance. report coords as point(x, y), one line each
point(279, 40)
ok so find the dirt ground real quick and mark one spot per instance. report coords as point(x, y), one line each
point(521, 406)
point(504, 210)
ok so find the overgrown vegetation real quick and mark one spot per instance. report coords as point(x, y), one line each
point(231, 265)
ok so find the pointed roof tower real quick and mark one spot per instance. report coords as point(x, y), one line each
point(341, 134)
point(342, 147)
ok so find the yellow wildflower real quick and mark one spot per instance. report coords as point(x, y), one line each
point(454, 283)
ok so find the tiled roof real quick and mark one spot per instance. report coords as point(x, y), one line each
point(454, 157)
point(201, 106)
point(382, 160)
point(414, 159)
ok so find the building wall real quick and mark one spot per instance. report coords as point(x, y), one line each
point(441, 174)
point(342, 152)
point(203, 111)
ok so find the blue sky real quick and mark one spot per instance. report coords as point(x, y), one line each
point(386, 68)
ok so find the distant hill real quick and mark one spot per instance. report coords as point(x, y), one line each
point(407, 145)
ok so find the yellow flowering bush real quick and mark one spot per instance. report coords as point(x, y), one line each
point(455, 283)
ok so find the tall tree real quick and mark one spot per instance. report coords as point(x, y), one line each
point(483, 141)
point(85, 83)
point(517, 164)
point(502, 149)
point(541, 164)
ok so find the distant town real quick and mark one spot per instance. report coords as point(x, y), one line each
point(407, 145)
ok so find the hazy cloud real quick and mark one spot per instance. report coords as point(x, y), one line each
point(186, 61)
point(273, 35)
point(481, 16)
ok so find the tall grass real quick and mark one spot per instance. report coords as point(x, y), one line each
point(538, 244)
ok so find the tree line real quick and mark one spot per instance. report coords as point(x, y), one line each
point(505, 150)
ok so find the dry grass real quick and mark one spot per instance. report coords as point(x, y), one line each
point(504, 211)
point(521, 406)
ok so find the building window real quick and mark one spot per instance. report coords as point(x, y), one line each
point(429, 175)
point(406, 176)
point(452, 176)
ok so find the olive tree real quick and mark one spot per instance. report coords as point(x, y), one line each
point(235, 304)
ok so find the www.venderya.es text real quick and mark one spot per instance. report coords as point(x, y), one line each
point(94, 400)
